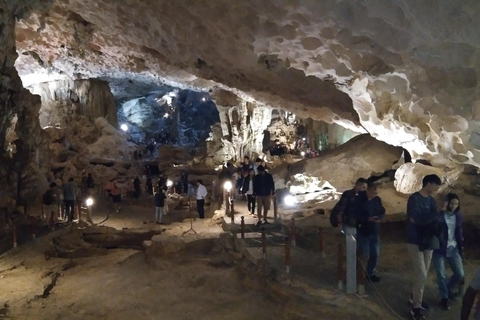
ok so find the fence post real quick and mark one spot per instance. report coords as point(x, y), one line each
point(360, 274)
point(275, 209)
point(293, 232)
point(242, 228)
point(264, 243)
point(340, 267)
point(287, 255)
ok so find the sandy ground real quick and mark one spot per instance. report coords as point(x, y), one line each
point(126, 284)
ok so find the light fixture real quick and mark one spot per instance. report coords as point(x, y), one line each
point(227, 185)
point(169, 183)
point(289, 200)
point(89, 202)
point(304, 138)
point(124, 127)
point(204, 99)
point(302, 153)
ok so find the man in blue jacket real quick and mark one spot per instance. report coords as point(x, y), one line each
point(263, 191)
point(422, 217)
point(370, 213)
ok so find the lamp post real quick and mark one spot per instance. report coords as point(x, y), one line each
point(228, 187)
point(89, 203)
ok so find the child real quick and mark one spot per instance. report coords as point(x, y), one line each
point(159, 204)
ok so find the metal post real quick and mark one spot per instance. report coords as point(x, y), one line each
point(242, 228)
point(293, 232)
point(43, 212)
point(321, 242)
point(360, 274)
point(351, 233)
point(79, 210)
point(264, 243)
point(287, 255)
point(14, 235)
point(226, 201)
point(340, 267)
point(275, 209)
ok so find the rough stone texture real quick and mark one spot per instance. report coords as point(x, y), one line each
point(405, 72)
point(63, 99)
point(362, 156)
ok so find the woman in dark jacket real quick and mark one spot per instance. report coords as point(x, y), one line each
point(451, 241)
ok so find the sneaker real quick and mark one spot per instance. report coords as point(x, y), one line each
point(259, 223)
point(417, 314)
point(444, 304)
point(265, 222)
point(424, 306)
point(373, 278)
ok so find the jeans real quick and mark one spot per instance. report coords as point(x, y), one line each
point(421, 263)
point(69, 209)
point(455, 262)
point(158, 214)
point(370, 245)
point(201, 211)
point(251, 203)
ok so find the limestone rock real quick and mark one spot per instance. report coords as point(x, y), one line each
point(162, 245)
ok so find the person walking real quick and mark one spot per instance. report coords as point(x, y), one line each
point(149, 185)
point(451, 241)
point(69, 197)
point(371, 213)
point(159, 204)
point(116, 197)
point(263, 191)
point(247, 189)
point(201, 194)
point(422, 218)
point(472, 292)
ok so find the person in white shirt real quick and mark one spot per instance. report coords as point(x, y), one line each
point(201, 194)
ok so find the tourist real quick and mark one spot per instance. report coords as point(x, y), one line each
point(90, 184)
point(201, 194)
point(257, 163)
point(149, 185)
point(451, 238)
point(184, 182)
point(370, 214)
point(51, 201)
point(69, 195)
point(247, 189)
point(472, 292)
point(159, 204)
point(346, 214)
point(109, 187)
point(116, 197)
point(136, 186)
point(246, 166)
point(263, 191)
point(422, 217)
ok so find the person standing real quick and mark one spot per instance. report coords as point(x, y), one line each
point(422, 218)
point(201, 194)
point(51, 201)
point(69, 196)
point(247, 189)
point(149, 185)
point(136, 186)
point(263, 191)
point(346, 214)
point(116, 197)
point(371, 213)
point(90, 184)
point(451, 238)
point(472, 292)
point(159, 204)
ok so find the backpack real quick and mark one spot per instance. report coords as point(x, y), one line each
point(334, 215)
point(48, 197)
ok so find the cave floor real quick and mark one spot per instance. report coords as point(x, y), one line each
point(125, 283)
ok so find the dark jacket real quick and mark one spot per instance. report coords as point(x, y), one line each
point(263, 185)
point(443, 231)
point(423, 211)
point(346, 207)
point(159, 199)
point(366, 209)
point(246, 184)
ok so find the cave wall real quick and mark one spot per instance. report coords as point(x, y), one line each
point(62, 99)
point(241, 129)
point(20, 132)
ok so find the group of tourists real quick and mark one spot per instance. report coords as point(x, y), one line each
point(432, 235)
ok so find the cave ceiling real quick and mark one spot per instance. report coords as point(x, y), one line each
point(404, 71)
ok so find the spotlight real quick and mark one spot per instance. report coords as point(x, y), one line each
point(227, 185)
point(169, 183)
point(289, 200)
point(304, 139)
point(89, 202)
point(204, 99)
point(124, 127)
point(302, 153)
